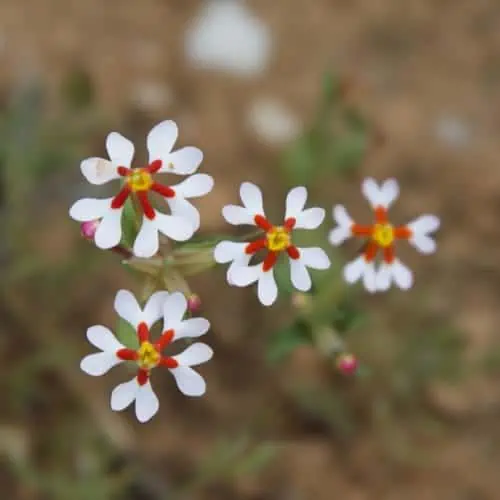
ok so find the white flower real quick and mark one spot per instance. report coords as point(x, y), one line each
point(185, 218)
point(148, 356)
point(382, 235)
point(275, 240)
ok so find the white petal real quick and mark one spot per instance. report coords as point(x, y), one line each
point(370, 277)
point(120, 149)
point(153, 310)
point(146, 403)
point(339, 235)
point(242, 275)
point(194, 186)
point(314, 257)
point(226, 251)
point(184, 161)
point(176, 228)
point(128, 308)
point(355, 269)
point(146, 243)
point(241, 261)
point(174, 308)
point(103, 339)
point(98, 170)
point(90, 209)
point(109, 232)
point(384, 277)
point(194, 355)
point(301, 279)
point(161, 140)
point(402, 275)
point(193, 327)
point(267, 290)
point(310, 218)
point(188, 381)
point(295, 201)
point(389, 193)
point(371, 192)
point(124, 394)
point(184, 209)
point(237, 215)
point(423, 243)
point(251, 197)
point(341, 216)
point(99, 363)
point(424, 224)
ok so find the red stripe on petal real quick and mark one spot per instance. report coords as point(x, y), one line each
point(371, 251)
point(142, 376)
point(142, 332)
point(148, 210)
point(269, 261)
point(403, 232)
point(154, 166)
point(262, 222)
point(127, 354)
point(164, 340)
point(293, 252)
point(255, 246)
point(358, 230)
point(166, 191)
point(290, 223)
point(389, 254)
point(120, 199)
point(124, 171)
point(380, 215)
point(168, 362)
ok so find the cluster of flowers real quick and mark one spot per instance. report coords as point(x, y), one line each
point(103, 219)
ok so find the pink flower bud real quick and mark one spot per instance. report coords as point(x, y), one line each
point(89, 228)
point(194, 303)
point(347, 364)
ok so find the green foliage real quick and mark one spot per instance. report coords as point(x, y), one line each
point(126, 334)
point(283, 342)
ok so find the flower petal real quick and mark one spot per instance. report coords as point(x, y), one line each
point(146, 243)
point(146, 403)
point(423, 243)
point(384, 277)
point(194, 186)
point(102, 338)
point(109, 232)
point(176, 228)
point(161, 140)
point(120, 149)
point(184, 161)
point(174, 309)
point(267, 289)
point(188, 381)
point(99, 363)
point(354, 269)
point(251, 197)
point(424, 224)
point(243, 275)
point(310, 218)
point(295, 201)
point(402, 275)
point(90, 209)
point(193, 327)
point(370, 277)
point(124, 394)
point(98, 170)
point(389, 193)
point(371, 192)
point(153, 310)
point(226, 251)
point(186, 210)
point(128, 308)
point(237, 215)
point(314, 257)
point(194, 355)
point(301, 279)
point(343, 232)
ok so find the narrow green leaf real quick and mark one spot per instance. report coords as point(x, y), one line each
point(126, 334)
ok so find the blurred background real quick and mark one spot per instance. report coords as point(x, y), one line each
point(282, 92)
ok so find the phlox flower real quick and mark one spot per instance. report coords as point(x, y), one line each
point(275, 240)
point(149, 353)
point(382, 235)
point(141, 182)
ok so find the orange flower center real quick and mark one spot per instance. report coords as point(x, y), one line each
point(278, 239)
point(383, 235)
point(147, 356)
point(140, 180)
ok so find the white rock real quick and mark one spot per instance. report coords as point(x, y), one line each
point(273, 122)
point(226, 36)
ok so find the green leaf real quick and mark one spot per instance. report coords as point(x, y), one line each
point(126, 334)
point(129, 223)
point(284, 341)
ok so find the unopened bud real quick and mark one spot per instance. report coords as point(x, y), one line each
point(89, 228)
point(347, 364)
point(194, 303)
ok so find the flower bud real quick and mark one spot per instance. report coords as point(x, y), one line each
point(89, 228)
point(194, 303)
point(301, 301)
point(347, 364)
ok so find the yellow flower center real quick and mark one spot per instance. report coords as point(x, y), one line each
point(140, 180)
point(383, 234)
point(278, 239)
point(148, 356)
